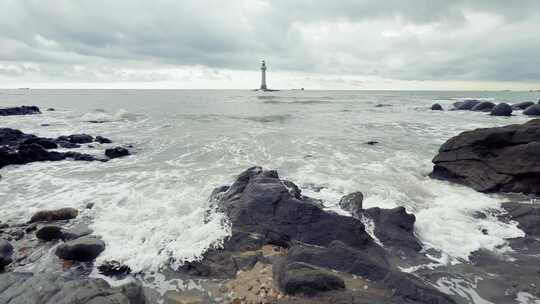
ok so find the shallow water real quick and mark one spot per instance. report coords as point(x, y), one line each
point(149, 207)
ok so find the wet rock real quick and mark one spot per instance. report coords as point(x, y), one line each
point(301, 278)
point(51, 109)
point(6, 254)
point(394, 227)
point(46, 143)
point(352, 202)
point(22, 110)
point(485, 106)
point(54, 215)
point(77, 138)
point(533, 110)
point(114, 269)
point(294, 190)
point(502, 109)
point(67, 145)
point(49, 233)
point(83, 249)
point(372, 142)
point(30, 228)
point(89, 205)
point(116, 152)
point(522, 105)
point(103, 140)
point(54, 288)
point(467, 104)
point(527, 215)
point(4, 226)
point(437, 107)
point(501, 159)
point(80, 156)
point(76, 232)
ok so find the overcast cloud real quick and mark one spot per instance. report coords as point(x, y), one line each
point(343, 44)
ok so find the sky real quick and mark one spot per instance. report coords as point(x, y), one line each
point(211, 44)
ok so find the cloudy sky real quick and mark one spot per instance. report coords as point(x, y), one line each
point(348, 44)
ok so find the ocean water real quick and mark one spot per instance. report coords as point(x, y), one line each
point(149, 207)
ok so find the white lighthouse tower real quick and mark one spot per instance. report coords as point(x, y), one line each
point(263, 76)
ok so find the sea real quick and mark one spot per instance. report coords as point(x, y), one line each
point(150, 207)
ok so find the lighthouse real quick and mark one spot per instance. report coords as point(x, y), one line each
point(263, 76)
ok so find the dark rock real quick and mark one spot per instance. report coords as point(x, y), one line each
point(301, 278)
point(527, 215)
point(502, 159)
point(30, 228)
point(485, 106)
point(113, 269)
point(17, 234)
point(522, 105)
point(6, 254)
point(410, 288)
point(352, 202)
point(294, 190)
point(54, 215)
point(66, 144)
point(116, 152)
point(437, 107)
point(457, 104)
point(4, 226)
point(23, 110)
point(49, 233)
point(381, 105)
point(83, 249)
point(51, 109)
point(75, 232)
point(467, 104)
point(502, 109)
point(89, 205)
point(103, 140)
point(372, 142)
point(80, 156)
point(533, 110)
point(27, 288)
point(43, 142)
point(77, 138)
point(394, 227)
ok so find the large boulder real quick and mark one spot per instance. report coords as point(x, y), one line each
point(6, 254)
point(28, 288)
point(485, 106)
point(502, 109)
point(116, 152)
point(23, 110)
point(505, 159)
point(83, 249)
point(467, 104)
point(436, 107)
point(522, 105)
point(394, 228)
point(533, 110)
point(49, 233)
point(54, 215)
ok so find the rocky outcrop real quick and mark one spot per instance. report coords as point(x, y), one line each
point(522, 105)
point(22, 110)
point(18, 288)
point(436, 107)
point(533, 110)
point(502, 109)
point(502, 159)
point(319, 251)
point(83, 249)
point(485, 106)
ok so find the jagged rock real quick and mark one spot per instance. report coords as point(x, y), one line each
point(437, 107)
point(502, 109)
point(527, 215)
point(6, 254)
point(352, 202)
point(49, 233)
point(103, 140)
point(301, 278)
point(522, 105)
point(467, 104)
point(83, 249)
point(28, 288)
point(54, 215)
point(485, 106)
point(113, 269)
point(394, 227)
point(504, 159)
point(116, 152)
point(533, 110)
point(23, 110)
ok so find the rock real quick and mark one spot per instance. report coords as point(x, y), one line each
point(116, 152)
point(301, 278)
point(28, 288)
point(527, 215)
point(76, 232)
point(502, 109)
point(4, 226)
point(103, 140)
point(382, 105)
point(113, 269)
point(80, 156)
point(77, 138)
point(23, 110)
point(66, 144)
point(501, 159)
point(394, 227)
point(372, 142)
point(467, 104)
point(83, 249)
point(485, 106)
point(43, 142)
point(51, 109)
point(437, 107)
point(522, 105)
point(89, 205)
point(6, 254)
point(294, 190)
point(49, 233)
point(352, 202)
point(533, 110)
point(54, 215)
point(30, 228)
point(186, 297)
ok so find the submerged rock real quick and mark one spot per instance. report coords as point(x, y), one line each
point(54, 215)
point(352, 202)
point(533, 110)
point(116, 152)
point(504, 159)
point(502, 109)
point(83, 249)
point(22, 110)
point(6, 254)
point(485, 106)
point(436, 107)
